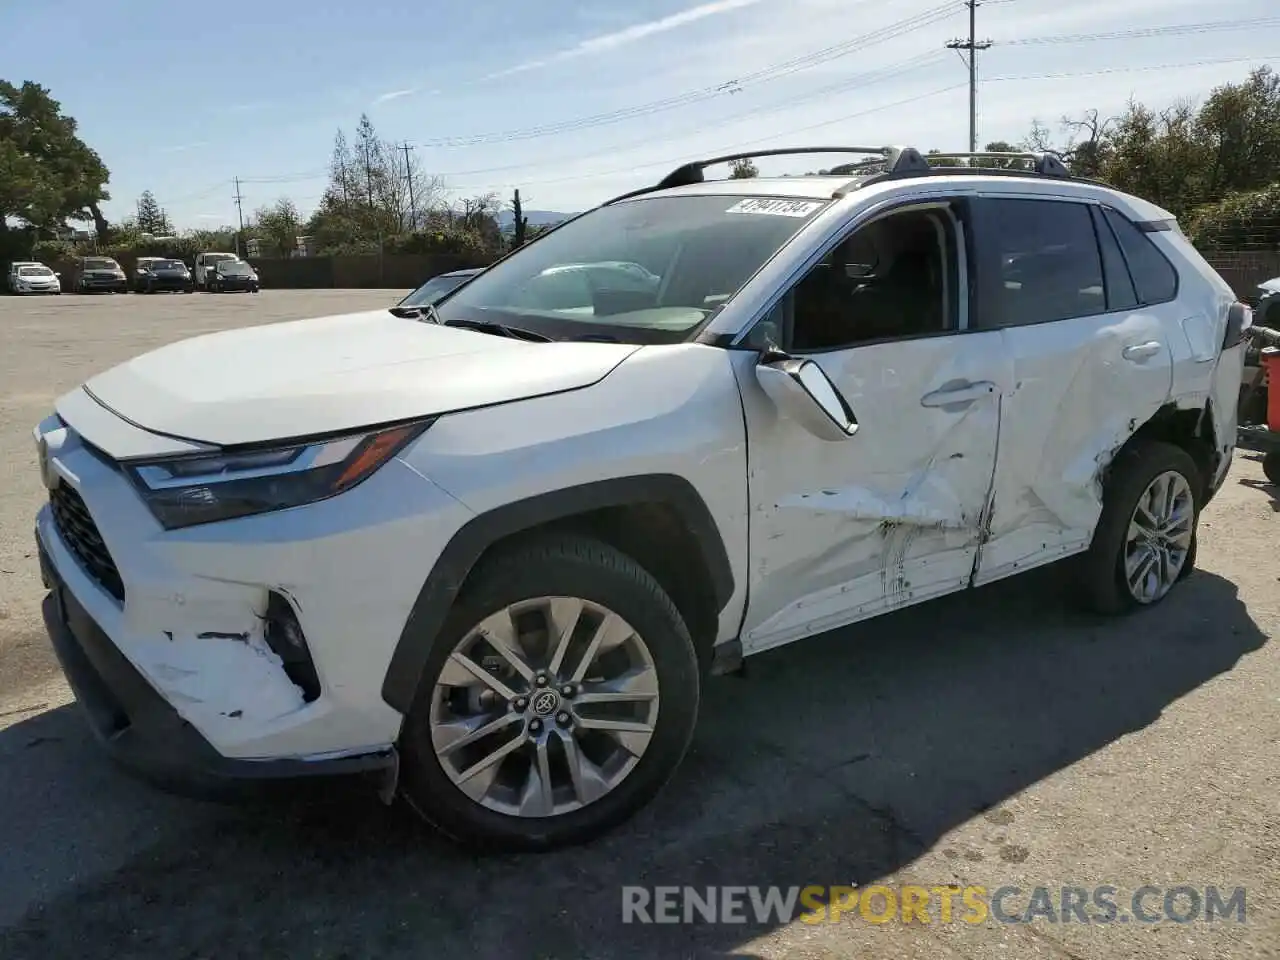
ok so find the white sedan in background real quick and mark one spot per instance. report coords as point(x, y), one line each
point(33, 278)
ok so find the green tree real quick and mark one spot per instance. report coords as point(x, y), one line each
point(520, 222)
point(376, 192)
point(278, 225)
point(151, 218)
point(743, 169)
point(47, 173)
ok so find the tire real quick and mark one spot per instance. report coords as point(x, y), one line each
point(1271, 466)
point(560, 567)
point(1104, 584)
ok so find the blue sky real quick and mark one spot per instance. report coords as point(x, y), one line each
point(179, 101)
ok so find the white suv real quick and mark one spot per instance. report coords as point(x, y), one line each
point(487, 550)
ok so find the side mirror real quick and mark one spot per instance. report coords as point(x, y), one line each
point(802, 391)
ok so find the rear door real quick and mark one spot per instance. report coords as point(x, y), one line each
point(1091, 363)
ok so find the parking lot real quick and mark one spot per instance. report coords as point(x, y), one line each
point(994, 739)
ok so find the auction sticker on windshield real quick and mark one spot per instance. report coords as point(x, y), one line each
point(775, 207)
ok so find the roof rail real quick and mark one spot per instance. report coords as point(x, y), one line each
point(894, 159)
point(900, 161)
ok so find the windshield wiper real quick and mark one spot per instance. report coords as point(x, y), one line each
point(499, 329)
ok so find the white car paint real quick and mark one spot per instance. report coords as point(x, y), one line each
point(337, 373)
point(932, 495)
point(31, 277)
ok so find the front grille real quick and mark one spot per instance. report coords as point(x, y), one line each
point(80, 534)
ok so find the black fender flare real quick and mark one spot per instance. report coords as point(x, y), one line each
point(408, 660)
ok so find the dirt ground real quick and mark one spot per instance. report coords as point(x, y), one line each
point(998, 738)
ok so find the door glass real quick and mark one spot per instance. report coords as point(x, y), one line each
point(1153, 276)
point(1049, 267)
point(890, 279)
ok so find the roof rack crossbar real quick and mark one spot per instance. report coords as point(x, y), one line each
point(1043, 162)
point(691, 173)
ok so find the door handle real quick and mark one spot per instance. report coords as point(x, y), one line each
point(1142, 351)
point(960, 393)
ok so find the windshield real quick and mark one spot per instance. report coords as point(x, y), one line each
point(166, 265)
point(235, 269)
point(100, 263)
point(34, 272)
point(218, 257)
point(641, 271)
point(434, 289)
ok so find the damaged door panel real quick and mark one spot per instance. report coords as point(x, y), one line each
point(892, 516)
point(1090, 367)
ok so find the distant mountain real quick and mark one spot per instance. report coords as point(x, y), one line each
point(537, 218)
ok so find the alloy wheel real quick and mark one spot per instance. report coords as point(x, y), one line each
point(544, 707)
point(1159, 538)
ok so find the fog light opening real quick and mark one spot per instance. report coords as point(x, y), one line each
point(284, 636)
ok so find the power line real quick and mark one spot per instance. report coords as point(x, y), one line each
point(1158, 66)
point(972, 46)
point(786, 68)
point(744, 145)
point(776, 71)
point(1136, 33)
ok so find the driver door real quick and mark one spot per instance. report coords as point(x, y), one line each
point(843, 530)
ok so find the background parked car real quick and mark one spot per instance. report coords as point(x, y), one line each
point(228, 275)
point(205, 262)
point(29, 276)
point(99, 273)
point(435, 288)
point(159, 274)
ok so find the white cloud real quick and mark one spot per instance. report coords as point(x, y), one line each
point(183, 147)
point(628, 35)
point(394, 95)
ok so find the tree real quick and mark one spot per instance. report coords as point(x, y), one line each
point(151, 218)
point(279, 225)
point(520, 222)
point(47, 173)
point(376, 191)
point(743, 170)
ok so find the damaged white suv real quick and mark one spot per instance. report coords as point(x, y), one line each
point(487, 550)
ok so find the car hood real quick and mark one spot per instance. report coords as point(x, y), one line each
point(331, 374)
point(1270, 286)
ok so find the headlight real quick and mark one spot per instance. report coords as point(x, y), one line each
point(188, 490)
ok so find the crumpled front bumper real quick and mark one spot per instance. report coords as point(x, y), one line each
point(144, 734)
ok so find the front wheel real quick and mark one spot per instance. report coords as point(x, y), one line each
point(559, 697)
point(1145, 540)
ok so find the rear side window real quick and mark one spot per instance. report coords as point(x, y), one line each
point(1153, 276)
point(1120, 291)
point(1048, 267)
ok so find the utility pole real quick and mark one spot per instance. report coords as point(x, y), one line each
point(972, 46)
point(240, 213)
point(408, 176)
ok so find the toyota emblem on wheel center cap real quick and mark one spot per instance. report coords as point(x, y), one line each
point(546, 703)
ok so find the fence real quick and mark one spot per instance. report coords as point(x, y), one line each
point(404, 271)
point(1246, 269)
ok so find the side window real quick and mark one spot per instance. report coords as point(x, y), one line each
point(1153, 276)
point(893, 278)
point(1120, 292)
point(1048, 266)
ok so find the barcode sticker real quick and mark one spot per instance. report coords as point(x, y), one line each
point(775, 208)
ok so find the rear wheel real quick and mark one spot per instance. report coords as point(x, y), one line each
point(560, 696)
point(1271, 466)
point(1145, 541)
